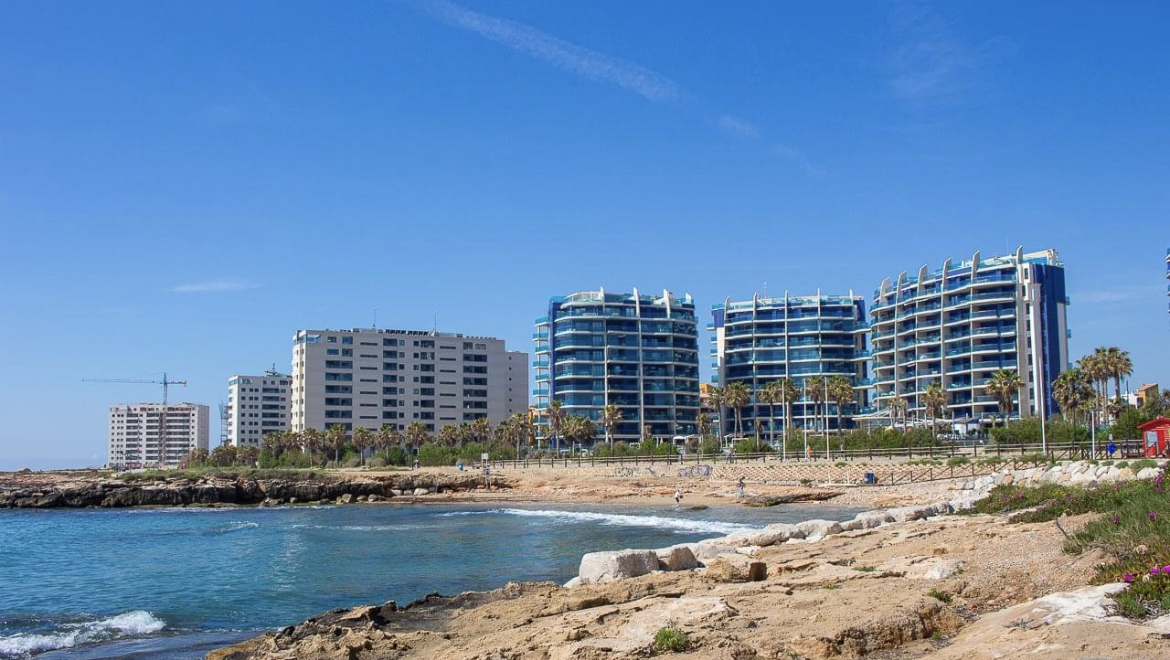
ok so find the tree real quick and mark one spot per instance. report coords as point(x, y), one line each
point(480, 430)
point(579, 429)
point(197, 456)
point(934, 399)
point(449, 435)
point(335, 440)
point(737, 396)
point(1004, 386)
point(611, 415)
point(1072, 391)
point(223, 456)
point(556, 417)
point(363, 439)
point(815, 389)
point(789, 394)
point(388, 436)
point(1120, 366)
point(704, 423)
point(770, 394)
point(718, 401)
point(416, 435)
point(841, 393)
point(273, 442)
point(897, 407)
point(312, 440)
point(1096, 370)
point(247, 456)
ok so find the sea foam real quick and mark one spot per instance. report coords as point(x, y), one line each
point(677, 525)
point(129, 624)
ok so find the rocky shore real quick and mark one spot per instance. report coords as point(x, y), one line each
point(55, 490)
point(908, 582)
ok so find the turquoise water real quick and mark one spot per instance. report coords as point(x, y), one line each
point(171, 583)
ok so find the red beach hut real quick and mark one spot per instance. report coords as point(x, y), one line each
point(1155, 436)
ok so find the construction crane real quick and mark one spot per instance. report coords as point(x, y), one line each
point(162, 421)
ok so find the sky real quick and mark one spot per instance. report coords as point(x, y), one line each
point(184, 184)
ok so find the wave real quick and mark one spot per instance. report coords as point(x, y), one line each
point(678, 525)
point(129, 624)
point(359, 528)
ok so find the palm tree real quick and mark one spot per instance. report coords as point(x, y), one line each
point(841, 393)
point(736, 396)
point(897, 407)
point(770, 395)
point(516, 429)
point(934, 399)
point(363, 439)
point(610, 416)
point(448, 436)
point(579, 429)
point(273, 443)
point(718, 401)
point(704, 424)
point(1096, 369)
point(1120, 366)
point(815, 386)
point(1004, 386)
point(789, 394)
point(1073, 391)
point(556, 417)
point(388, 436)
point(416, 435)
point(335, 440)
point(481, 430)
point(312, 440)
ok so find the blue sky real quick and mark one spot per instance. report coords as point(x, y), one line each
point(183, 184)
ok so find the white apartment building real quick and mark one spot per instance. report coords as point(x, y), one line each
point(138, 433)
point(370, 377)
point(257, 406)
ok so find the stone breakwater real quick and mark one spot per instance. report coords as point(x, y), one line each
point(728, 558)
point(103, 493)
point(1085, 474)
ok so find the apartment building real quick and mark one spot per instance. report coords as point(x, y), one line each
point(257, 406)
point(762, 340)
point(150, 435)
point(370, 377)
point(960, 323)
point(637, 352)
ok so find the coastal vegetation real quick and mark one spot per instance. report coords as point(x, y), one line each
point(1131, 527)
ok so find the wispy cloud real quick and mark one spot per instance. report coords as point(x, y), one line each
point(928, 63)
point(799, 159)
point(558, 52)
point(738, 126)
point(213, 286)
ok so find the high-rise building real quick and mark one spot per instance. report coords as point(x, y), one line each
point(139, 431)
point(257, 406)
point(633, 351)
point(762, 340)
point(959, 324)
point(370, 377)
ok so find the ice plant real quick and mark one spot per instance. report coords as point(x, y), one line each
point(1128, 577)
point(1152, 515)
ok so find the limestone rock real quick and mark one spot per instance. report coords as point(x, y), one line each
point(676, 558)
point(597, 567)
point(418, 492)
point(737, 568)
point(815, 530)
point(706, 551)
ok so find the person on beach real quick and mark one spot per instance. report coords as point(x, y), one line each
point(677, 497)
point(742, 487)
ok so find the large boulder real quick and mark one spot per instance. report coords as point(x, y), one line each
point(908, 513)
point(706, 551)
point(676, 558)
point(815, 530)
point(597, 567)
point(737, 568)
point(770, 535)
point(867, 520)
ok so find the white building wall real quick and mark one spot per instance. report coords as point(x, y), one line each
point(367, 378)
point(134, 434)
point(257, 405)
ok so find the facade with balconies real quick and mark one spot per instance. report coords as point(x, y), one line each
point(634, 351)
point(761, 340)
point(961, 323)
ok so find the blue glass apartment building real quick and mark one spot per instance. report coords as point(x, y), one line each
point(959, 324)
point(634, 351)
point(764, 339)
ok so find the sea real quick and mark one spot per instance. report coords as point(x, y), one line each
point(174, 583)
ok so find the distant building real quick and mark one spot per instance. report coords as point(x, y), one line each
point(257, 406)
point(1143, 393)
point(137, 435)
point(369, 377)
point(959, 324)
point(762, 340)
point(633, 351)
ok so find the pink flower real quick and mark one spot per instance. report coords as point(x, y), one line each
point(1152, 515)
point(1116, 520)
point(1128, 577)
point(1166, 570)
point(1154, 570)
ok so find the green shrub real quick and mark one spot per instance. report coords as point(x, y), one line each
point(1138, 466)
point(956, 461)
point(436, 456)
point(671, 639)
point(750, 446)
point(938, 594)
